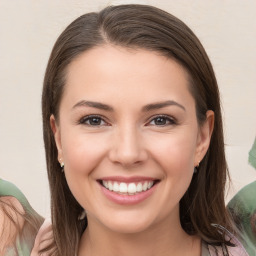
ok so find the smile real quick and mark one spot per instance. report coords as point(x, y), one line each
point(128, 188)
point(128, 191)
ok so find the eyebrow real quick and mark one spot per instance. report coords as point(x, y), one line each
point(159, 105)
point(149, 107)
point(93, 104)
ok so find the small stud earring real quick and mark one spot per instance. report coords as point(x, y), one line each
point(196, 167)
point(61, 164)
point(82, 215)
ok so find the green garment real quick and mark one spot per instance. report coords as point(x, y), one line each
point(243, 208)
point(23, 245)
point(252, 155)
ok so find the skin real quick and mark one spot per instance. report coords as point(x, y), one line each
point(129, 141)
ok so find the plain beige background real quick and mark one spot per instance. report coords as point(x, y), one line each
point(28, 30)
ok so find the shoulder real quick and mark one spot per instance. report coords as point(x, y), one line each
point(43, 238)
point(246, 193)
point(19, 222)
point(8, 189)
point(243, 210)
point(236, 249)
point(243, 206)
point(245, 198)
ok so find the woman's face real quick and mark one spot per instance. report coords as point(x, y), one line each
point(129, 137)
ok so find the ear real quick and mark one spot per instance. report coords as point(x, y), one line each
point(56, 132)
point(204, 137)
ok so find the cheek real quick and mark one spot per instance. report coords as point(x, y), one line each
point(175, 155)
point(175, 152)
point(81, 153)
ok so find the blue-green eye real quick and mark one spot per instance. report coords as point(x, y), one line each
point(93, 121)
point(162, 121)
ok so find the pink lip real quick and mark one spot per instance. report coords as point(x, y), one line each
point(128, 199)
point(127, 179)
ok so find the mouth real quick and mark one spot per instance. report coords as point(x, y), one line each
point(128, 188)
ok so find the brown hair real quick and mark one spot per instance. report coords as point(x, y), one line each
point(17, 222)
point(140, 27)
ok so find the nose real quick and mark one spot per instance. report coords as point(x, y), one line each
point(127, 147)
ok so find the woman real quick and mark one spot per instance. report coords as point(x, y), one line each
point(132, 102)
point(134, 141)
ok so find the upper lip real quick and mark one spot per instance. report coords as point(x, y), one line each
point(128, 179)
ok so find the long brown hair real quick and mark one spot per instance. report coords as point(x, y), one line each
point(140, 27)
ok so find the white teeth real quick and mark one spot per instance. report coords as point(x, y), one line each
point(105, 183)
point(115, 187)
point(127, 188)
point(110, 186)
point(123, 187)
point(131, 188)
point(145, 186)
point(139, 187)
point(150, 184)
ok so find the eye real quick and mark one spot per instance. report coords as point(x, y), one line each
point(93, 120)
point(162, 120)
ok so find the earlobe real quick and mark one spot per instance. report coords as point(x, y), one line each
point(56, 132)
point(204, 136)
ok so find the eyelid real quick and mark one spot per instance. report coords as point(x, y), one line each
point(171, 119)
point(84, 118)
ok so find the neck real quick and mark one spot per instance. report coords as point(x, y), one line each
point(160, 240)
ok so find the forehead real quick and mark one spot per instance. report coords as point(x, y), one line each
point(105, 57)
point(121, 72)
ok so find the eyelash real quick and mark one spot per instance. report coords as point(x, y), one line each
point(90, 118)
point(168, 120)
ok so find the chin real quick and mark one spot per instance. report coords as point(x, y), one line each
point(128, 224)
point(128, 228)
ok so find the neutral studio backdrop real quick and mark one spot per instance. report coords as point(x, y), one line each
point(28, 30)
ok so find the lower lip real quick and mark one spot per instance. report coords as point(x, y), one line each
point(128, 199)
